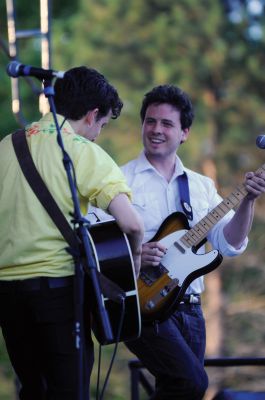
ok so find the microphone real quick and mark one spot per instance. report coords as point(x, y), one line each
point(260, 141)
point(16, 69)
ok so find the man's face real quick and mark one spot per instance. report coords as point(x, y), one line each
point(161, 131)
point(94, 128)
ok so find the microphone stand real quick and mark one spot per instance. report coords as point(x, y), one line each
point(80, 226)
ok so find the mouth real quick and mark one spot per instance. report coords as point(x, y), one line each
point(156, 140)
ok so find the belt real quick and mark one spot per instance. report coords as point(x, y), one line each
point(37, 283)
point(191, 299)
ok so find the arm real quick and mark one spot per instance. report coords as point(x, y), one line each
point(238, 228)
point(130, 223)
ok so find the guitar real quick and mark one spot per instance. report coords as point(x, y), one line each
point(162, 288)
point(114, 261)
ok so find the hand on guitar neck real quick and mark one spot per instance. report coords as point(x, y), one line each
point(255, 183)
point(239, 227)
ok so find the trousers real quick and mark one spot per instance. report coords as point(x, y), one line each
point(173, 351)
point(37, 321)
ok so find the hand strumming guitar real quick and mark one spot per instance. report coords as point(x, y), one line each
point(152, 252)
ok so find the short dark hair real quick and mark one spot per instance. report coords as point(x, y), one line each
point(171, 95)
point(83, 89)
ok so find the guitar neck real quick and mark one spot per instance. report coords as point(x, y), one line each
point(199, 231)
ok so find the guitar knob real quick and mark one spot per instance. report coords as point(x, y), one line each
point(150, 304)
point(165, 291)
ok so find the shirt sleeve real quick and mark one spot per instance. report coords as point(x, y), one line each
point(99, 179)
point(226, 249)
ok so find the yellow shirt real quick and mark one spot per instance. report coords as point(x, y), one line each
point(30, 244)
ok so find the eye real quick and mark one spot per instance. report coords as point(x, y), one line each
point(168, 124)
point(149, 121)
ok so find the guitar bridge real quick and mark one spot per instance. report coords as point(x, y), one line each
point(157, 298)
point(149, 275)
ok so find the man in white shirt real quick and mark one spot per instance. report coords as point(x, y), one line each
point(173, 349)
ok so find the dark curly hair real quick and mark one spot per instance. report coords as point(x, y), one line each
point(171, 95)
point(83, 89)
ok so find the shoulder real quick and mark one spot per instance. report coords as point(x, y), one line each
point(129, 168)
point(6, 149)
point(85, 151)
point(199, 179)
point(6, 140)
point(202, 188)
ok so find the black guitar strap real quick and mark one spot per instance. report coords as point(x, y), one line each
point(40, 189)
point(109, 288)
point(184, 193)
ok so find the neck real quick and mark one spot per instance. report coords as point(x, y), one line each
point(75, 125)
point(79, 126)
point(164, 165)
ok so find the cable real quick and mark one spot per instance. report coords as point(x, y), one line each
point(113, 355)
point(98, 374)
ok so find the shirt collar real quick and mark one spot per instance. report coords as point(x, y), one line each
point(47, 121)
point(144, 165)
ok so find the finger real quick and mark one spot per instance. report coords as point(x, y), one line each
point(155, 245)
point(257, 183)
point(157, 252)
point(150, 263)
point(152, 255)
point(255, 191)
point(249, 175)
point(149, 258)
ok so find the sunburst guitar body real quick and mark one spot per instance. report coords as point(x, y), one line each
point(162, 288)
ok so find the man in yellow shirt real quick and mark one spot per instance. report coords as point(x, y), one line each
point(36, 272)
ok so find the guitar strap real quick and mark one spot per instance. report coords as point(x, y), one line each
point(184, 193)
point(20, 144)
point(40, 189)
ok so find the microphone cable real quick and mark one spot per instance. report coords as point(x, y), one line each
point(100, 397)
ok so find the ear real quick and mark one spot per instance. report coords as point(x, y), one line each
point(91, 116)
point(184, 134)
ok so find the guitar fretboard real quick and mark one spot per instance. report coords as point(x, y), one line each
point(199, 231)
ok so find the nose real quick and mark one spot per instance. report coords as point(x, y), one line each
point(157, 128)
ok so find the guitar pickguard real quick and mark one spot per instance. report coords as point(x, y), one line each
point(185, 259)
point(161, 291)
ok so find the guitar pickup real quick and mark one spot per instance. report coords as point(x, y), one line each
point(149, 275)
point(145, 278)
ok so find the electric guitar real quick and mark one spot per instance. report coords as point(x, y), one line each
point(114, 261)
point(162, 288)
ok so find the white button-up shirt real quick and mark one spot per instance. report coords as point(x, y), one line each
point(155, 199)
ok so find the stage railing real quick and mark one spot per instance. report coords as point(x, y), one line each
point(138, 376)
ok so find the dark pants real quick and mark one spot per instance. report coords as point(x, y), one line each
point(173, 351)
point(38, 328)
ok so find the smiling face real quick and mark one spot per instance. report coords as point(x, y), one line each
point(161, 132)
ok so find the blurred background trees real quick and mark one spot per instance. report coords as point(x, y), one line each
point(215, 51)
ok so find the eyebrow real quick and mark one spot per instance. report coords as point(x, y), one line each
point(168, 121)
point(164, 120)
